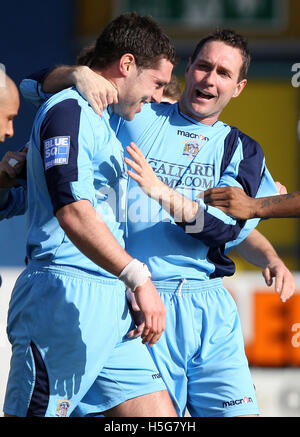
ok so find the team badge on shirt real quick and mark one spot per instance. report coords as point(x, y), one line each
point(56, 151)
point(191, 149)
point(62, 407)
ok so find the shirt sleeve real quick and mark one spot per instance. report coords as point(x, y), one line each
point(12, 202)
point(248, 171)
point(67, 143)
point(31, 87)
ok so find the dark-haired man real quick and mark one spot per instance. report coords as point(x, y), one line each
point(190, 149)
point(68, 316)
point(201, 353)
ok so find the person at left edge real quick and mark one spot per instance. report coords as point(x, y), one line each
point(12, 162)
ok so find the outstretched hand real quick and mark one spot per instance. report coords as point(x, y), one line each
point(143, 173)
point(232, 200)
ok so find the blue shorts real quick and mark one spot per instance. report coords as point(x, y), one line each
point(68, 333)
point(201, 353)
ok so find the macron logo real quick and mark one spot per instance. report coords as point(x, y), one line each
point(244, 400)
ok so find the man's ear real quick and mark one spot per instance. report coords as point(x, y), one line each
point(239, 88)
point(126, 63)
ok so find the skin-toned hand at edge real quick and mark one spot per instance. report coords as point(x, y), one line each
point(235, 202)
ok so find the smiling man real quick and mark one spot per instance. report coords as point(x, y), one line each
point(214, 75)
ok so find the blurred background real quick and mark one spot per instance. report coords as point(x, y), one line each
point(35, 35)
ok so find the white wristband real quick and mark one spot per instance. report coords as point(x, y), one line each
point(135, 274)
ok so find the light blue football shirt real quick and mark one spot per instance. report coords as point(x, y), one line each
point(190, 157)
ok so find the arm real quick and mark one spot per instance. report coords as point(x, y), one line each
point(179, 207)
point(212, 226)
point(98, 91)
point(98, 243)
point(235, 202)
point(257, 250)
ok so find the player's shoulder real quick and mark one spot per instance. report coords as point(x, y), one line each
point(64, 99)
point(247, 142)
point(67, 102)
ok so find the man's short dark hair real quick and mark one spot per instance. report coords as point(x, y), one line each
point(129, 33)
point(231, 38)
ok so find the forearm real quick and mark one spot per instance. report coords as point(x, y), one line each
point(257, 250)
point(178, 206)
point(96, 241)
point(61, 77)
point(287, 205)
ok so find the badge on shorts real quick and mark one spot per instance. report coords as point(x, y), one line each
point(62, 407)
point(56, 151)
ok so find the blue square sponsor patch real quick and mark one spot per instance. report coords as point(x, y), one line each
point(56, 151)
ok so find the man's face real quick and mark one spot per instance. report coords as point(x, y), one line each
point(143, 85)
point(9, 107)
point(211, 81)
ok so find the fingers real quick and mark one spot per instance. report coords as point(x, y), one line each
point(137, 332)
point(287, 287)
point(99, 100)
point(149, 334)
point(135, 153)
point(93, 87)
point(285, 283)
point(152, 331)
point(268, 277)
point(279, 282)
point(221, 193)
point(96, 104)
point(136, 167)
point(154, 312)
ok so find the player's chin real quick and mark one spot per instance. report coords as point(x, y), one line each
point(128, 117)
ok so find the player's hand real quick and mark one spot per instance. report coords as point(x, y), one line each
point(152, 319)
point(143, 173)
point(231, 200)
point(10, 166)
point(137, 315)
point(97, 90)
point(285, 283)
